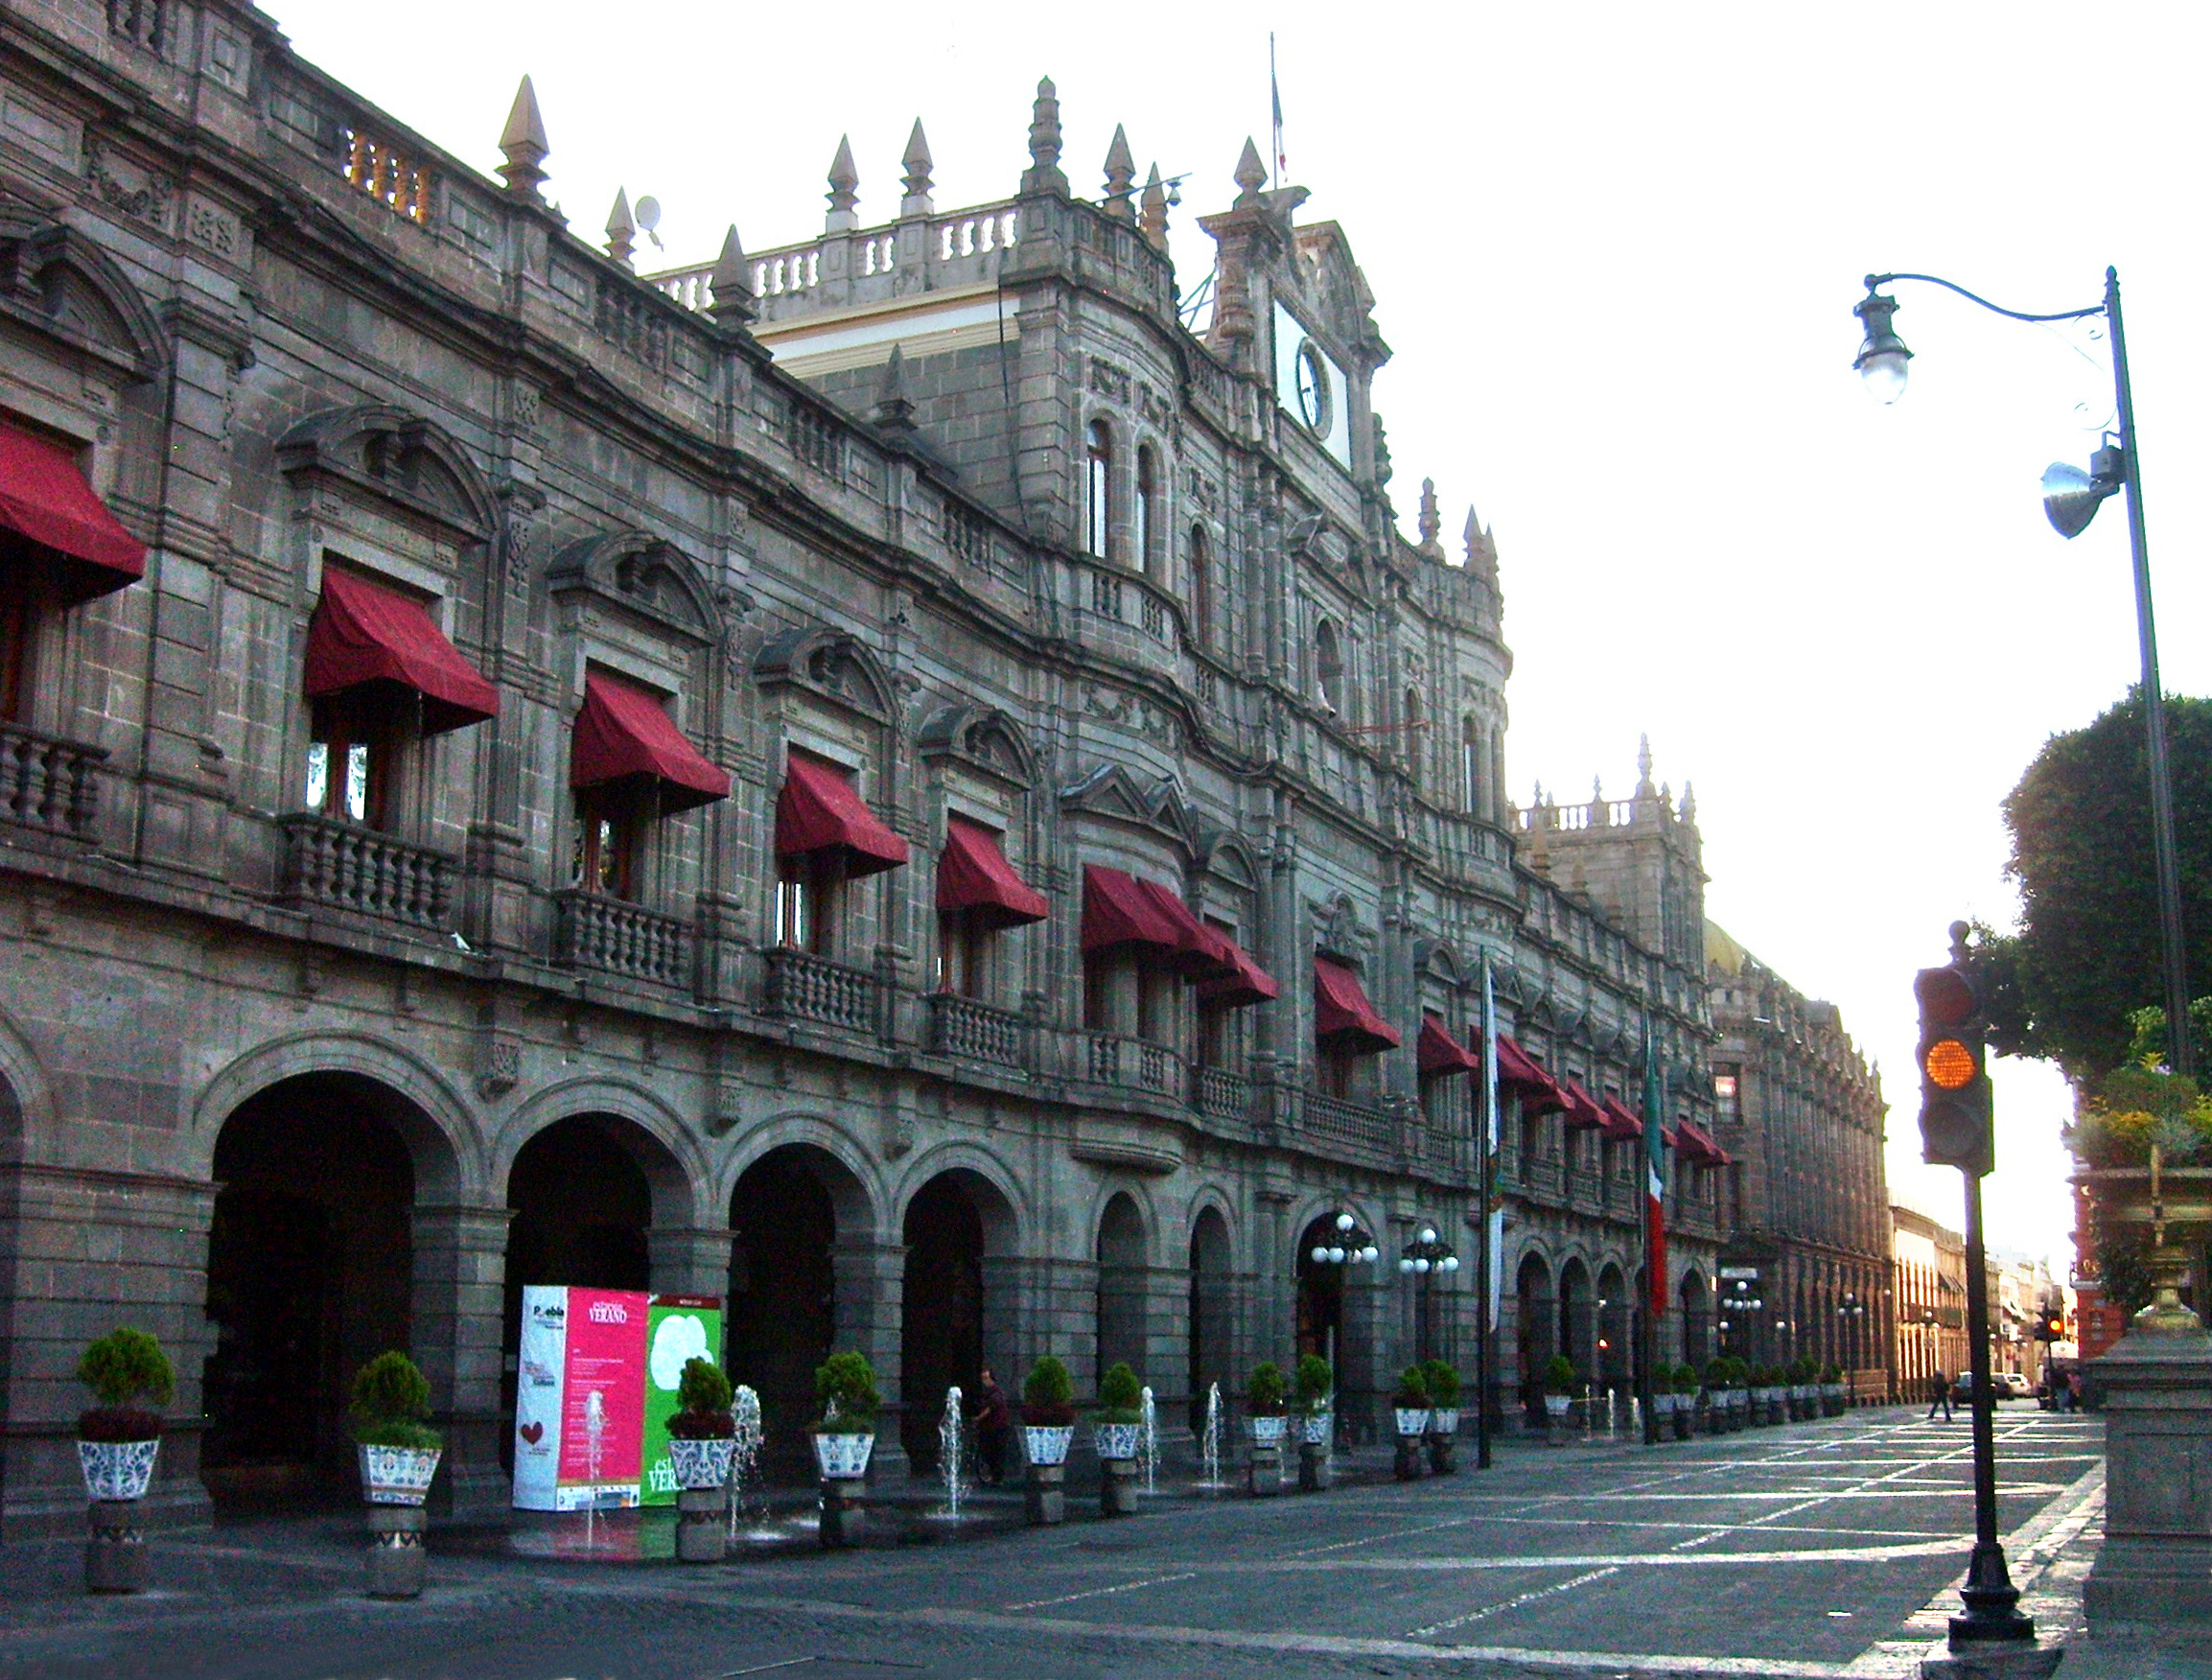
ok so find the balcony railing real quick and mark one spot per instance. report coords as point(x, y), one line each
point(1137, 1063)
point(330, 862)
point(960, 1026)
point(1331, 1117)
point(594, 931)
point(49, 784)
point(807, 988)
point(1222, 1095)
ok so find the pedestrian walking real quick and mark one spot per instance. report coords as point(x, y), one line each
point(2074, 1390)
point(1940, 1394)
point(993, 1423)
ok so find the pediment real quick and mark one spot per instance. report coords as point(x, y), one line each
point(1112, 791)
point(829, 663)
point(641, 574)
point(1225, 855)
point(394, 455)
point(58, 283)
point(984, 737)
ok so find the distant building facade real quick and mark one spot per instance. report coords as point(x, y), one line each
point(1801, 1115)
point(893, 780)
point(1929, 1278)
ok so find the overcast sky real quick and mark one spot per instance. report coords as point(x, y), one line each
point(1615, 250)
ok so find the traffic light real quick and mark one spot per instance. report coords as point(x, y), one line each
point(1956, 1128)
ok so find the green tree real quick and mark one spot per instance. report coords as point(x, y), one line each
point(2065, 987)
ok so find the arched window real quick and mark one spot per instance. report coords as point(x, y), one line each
point(1471, 763)
point(1328, 666)
point(1414, 728)
point(1097, 489)
point(1147, 561)
point(1201, 562)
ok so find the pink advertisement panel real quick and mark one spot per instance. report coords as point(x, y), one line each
point(603, 1398)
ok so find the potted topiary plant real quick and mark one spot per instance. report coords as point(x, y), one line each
point(1264, 1413)
point(1685, 1385)
point(702, 1437)
point(1662, 1397)
point(1442, 1382)
point(1409, 1414)
point(1048, 1425)
point(1739, 1392)
point(117, 1441)
point(399, 1454)
point(844, 1438)
point(1315, 1384)
point(1558, 1397)
point(1115, 1427)
point(1834, 1399)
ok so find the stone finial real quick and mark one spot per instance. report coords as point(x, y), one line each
point(1044, 173)
point(1643, 787)
point(918, 200)
point(1252, 176)
point(1537, 802)
point(892, 412)
point(1598, 790)
point(1383, 467)
point(1121, 175)
point(844, 190)
point(1689, 802)
point(1153, 219)
point(733, 283)
point(1430, 523)
point(622, 231)
point(1665, 797)
point(525, 145)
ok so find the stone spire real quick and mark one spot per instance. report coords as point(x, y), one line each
point(1643, 787)
point(1689, 802)
point(918, 200)
point(1481, 551)
point(1153, 220)
point(1431, 523)
point(1044, 173)
point(622, 231)
point(733, 283)
point(844, 190)
point(892, 412)
point(1121, 175)
point(1252, 176)
point(525, 145)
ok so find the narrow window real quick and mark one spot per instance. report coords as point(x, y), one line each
point(1146, 560)
point(18, 624)
point(1470, 764)
point(607, 844)
point(804, 891)
point(1097, 489)
point(1333, 1071)
point(1413, 729)
point(1201, 588)
point(1328, 667)
point(351, 760)
point(1097, 983)
point(962, 953)
point(1724, 1094)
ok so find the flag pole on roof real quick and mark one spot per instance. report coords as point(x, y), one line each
point(1275, 103)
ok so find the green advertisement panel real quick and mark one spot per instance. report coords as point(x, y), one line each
point(677, 1329)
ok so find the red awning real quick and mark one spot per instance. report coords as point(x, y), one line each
point(624, 735)
point(1521, 1072)
point(1442, 1054)
point(1247, 983)
point(973, 874)
point(1120, 910)
point(363, 634)
point(44, 498)
point(821, 810)
point(1697, 1145)
point(1583, 1113)
point(1342, 1013)
point(1619, 1122)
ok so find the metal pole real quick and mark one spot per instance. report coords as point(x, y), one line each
point(1991, 1599)
point(1485, 1147)
point(2180, 1052)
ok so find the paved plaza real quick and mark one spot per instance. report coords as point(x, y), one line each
point(1824, 1550)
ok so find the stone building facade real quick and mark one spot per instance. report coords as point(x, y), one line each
point(897, 779)
point(1929, 1270)
point(1802, 1116)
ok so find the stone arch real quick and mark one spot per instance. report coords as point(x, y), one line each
point(1122, 1250)
point(855, 1190)
point(437, 1123)
point(63, 285)
point(641, 572)
point(1695, 1296)
point(654, 1135)
point(1535, 1325)
point(310, 1272)
point(1000, 1203)
point(834, 663)
point(1576, 1300)
point(1615, 1318)
point(962, 1232)
point(27, 1116)
point(1227, 856)
point(398, 454)
point(985, 736)
point(1211, 1320)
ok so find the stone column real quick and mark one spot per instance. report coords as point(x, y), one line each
point(870, 1282)
point(2156, 1565)
point(461, 1270)
point(684, 1260)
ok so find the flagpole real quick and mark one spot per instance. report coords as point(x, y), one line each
point(1486, 1148)
point(1650, 1308)
point(1275, 107)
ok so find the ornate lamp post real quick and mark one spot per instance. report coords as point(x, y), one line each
point(2070, 501)
point(1351, 1246)
point(1425, 1257)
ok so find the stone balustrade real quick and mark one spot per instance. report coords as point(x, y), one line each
point(1332, 1119)
point(347, 867)
point(807, 988)
point(1222, 1095)
point(960, 1026)
point(1136, 1063)
point(594, 931)
point(49, 784)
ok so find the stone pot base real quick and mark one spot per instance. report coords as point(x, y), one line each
point(1314, 1469)
point(1046, 1499)
point(115, 1556)
point(398, 1564)
point(1441, 1459)
point(1265, 1474)
point(843, 1513)
point(1406, 1467)
point(1117, 1488)
point(702, 1531)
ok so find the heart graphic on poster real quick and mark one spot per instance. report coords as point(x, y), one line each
point(533, 1433)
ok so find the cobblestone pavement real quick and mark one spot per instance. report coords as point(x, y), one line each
point(1828, 1549)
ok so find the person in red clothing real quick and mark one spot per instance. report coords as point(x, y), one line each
point(993, 1423)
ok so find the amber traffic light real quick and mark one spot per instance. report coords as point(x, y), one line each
point(1956, 1123)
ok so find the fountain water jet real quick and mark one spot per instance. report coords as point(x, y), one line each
point(949, 1430)
point(1149, 1443)
point(1210, 1443)
point(746, 1442)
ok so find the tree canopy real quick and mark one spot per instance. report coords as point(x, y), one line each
point(2086, 957)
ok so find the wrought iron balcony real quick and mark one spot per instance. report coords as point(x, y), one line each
point(594, 931)
point(347, 867)
point(49, 784)
point(807, 988)
point(960, 1026)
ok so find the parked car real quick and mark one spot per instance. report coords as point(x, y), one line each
point(2014, 1386)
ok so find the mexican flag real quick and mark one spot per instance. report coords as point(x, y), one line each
point(1654, 1175)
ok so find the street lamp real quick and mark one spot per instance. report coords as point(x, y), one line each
point(1425, 1256)
point(1352, 1246)
point(2070, 501)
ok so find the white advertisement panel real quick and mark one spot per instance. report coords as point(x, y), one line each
point(539, 1373)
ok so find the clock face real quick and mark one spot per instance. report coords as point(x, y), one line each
point(1313, 391)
